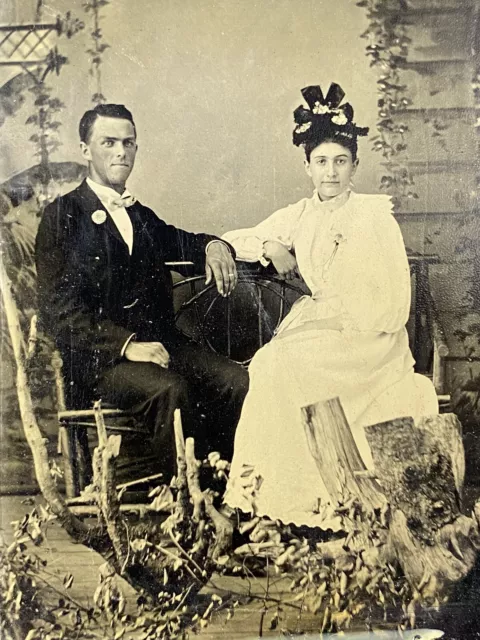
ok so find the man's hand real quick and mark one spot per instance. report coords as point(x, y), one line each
point(147, 352)
point(221, 266)
point(281, 258)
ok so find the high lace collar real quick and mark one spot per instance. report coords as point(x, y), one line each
point(333, 203)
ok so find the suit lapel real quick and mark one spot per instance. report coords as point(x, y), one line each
point(141, 233)
point(91, 203)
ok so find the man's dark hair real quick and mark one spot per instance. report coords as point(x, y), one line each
point(105, 110)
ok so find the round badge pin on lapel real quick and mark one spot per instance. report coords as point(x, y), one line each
point(99, 216)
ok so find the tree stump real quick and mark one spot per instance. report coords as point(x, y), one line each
point(336, 455)
point(419, 471)
point(415, 469)
point(420, 467)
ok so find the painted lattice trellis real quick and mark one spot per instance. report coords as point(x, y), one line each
point(28, 44)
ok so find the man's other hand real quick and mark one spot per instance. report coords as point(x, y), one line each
point(147, 352)
point(281, 258)
point(221, 266)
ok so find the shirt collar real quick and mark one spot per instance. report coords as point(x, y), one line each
point(106, 194)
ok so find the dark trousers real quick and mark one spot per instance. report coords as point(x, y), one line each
point(208, 389)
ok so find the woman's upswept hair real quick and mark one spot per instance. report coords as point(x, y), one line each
point(326, 119)
point(348, 143)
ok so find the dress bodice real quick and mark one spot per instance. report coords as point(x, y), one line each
point(320, 239)
point(351, 254)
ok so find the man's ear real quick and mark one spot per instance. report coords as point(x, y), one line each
point(85, 151)
point(306, 164)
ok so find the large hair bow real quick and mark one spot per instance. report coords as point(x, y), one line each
point(331, 103)
point(325, 112)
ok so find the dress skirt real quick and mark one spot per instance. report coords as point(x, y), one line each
point(273, 471)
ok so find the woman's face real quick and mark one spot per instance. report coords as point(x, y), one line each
point(331, 168)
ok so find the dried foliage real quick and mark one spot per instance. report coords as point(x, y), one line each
point(36, 604)
point(344, 580)
point(178, 554)
point(347, 578)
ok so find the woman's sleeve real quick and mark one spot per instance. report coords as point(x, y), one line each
point(377, 295)
point(280, 226)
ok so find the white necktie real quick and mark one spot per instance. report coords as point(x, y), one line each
point(127, 200)
point(117, 207)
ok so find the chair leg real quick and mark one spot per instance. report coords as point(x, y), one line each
point(68, 450)
point(84, 458)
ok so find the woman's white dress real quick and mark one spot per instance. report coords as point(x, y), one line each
point(351, 255)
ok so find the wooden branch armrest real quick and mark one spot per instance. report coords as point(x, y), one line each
point(86, 413)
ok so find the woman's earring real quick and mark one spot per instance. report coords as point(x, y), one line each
point(352, 184)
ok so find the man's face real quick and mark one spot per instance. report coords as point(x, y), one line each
point(331, 168)
point(111, 151)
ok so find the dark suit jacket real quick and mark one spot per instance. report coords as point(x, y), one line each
point(92, 294)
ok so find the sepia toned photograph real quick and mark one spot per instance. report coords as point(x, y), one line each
point(240, 319)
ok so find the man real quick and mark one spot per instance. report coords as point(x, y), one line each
point(105, 295)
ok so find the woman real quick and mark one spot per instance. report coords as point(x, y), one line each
point(348, 339)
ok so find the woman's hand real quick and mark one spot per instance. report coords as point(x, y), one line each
point(281, 258)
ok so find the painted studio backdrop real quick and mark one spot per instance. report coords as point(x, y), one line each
point(212, 85)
